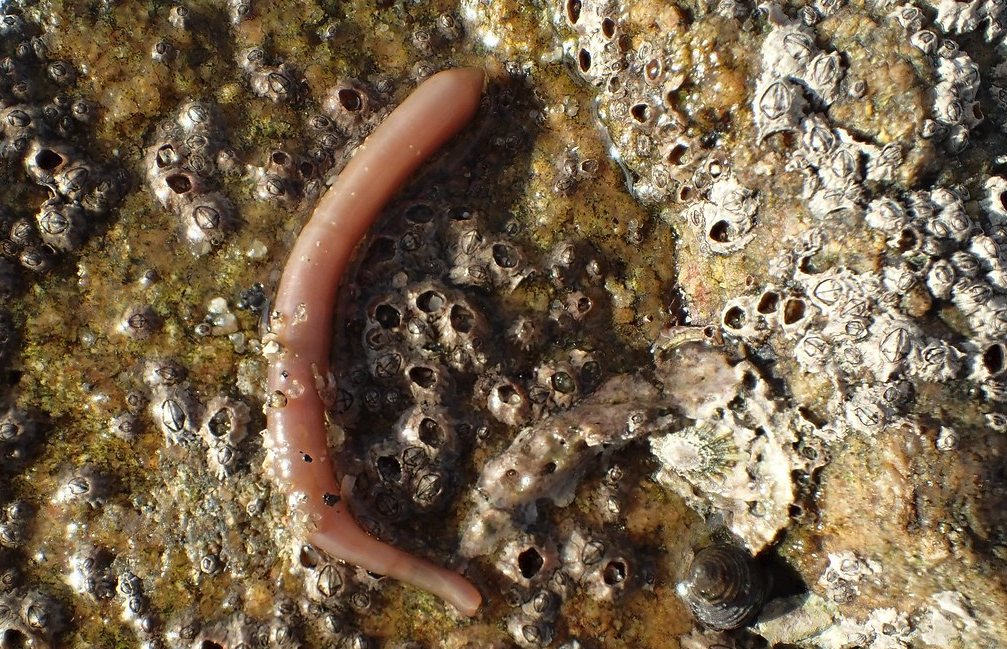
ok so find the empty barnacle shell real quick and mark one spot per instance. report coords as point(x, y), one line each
point(995, 201)
point(429, 428)
point(173, 187)
point(528, 561)
point(508, 403)
point(349, 103)
point(725, 587)
point(43, 159)
point(225, 422)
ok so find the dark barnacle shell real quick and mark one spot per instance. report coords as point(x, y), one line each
point(61, 72)
point(725, 587)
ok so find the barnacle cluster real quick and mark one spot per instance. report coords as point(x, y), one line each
point(30, 619)
point(180, 167)
point(787, 339)
point(43, 123)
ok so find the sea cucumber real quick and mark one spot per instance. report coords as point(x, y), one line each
point(302, 321)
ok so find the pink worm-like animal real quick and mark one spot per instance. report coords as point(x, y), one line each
point(302, 320)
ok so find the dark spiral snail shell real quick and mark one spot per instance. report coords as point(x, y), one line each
point(725, 587)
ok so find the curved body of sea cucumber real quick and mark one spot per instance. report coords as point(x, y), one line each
point(302, 323)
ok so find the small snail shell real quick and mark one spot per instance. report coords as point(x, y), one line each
point(725, 588)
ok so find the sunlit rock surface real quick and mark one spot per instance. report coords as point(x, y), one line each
point(735, 273)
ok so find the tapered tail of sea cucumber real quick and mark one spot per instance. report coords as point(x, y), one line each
point(361, 549)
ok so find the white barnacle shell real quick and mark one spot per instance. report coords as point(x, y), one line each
point(948, 108)
point(971, 295)
point(900, 278)
point(995, 201)
point(61, 224)
point(788, 49)
point(938, 361)
point(866, 411)
point(909, 16)
point(951, 222)
point(996, 421)
point(965, 265)
point(138, 322)
point(778, 105)
point(924, 40)
point(994, 390)
point(278, 83)
point(843, 167)
point(197, 115)
point(959, 70)
point(944, 197)
point(823, 75)
point(988, 251)
point(886, 214)
point(830, 290)
point(998, 278)
point(581, 552)
point(812, 352)
point(175, 413)
point(893, 340)
point(990, 320)
point(847, 326)
point(883, 163)
point(728, 216)
point(819, 138)
point(948, 439)
point(206, 220)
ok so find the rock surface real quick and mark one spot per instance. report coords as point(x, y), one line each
point(696, 274)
